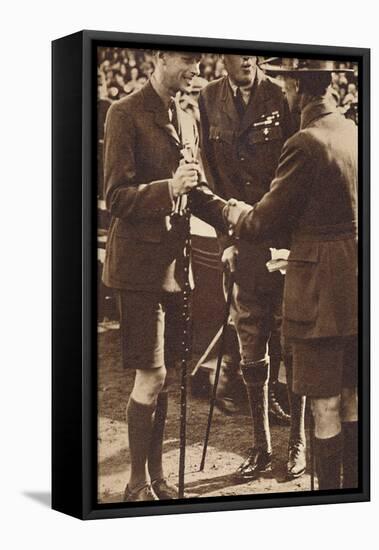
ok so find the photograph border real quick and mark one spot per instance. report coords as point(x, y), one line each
point(74, 205)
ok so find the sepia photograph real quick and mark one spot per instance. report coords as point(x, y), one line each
point(227, 204)
point(187, 275)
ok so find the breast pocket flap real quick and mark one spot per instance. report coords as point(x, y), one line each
point(220, 134)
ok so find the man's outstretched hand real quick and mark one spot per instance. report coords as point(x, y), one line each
point(233, 211)
point(229, 258)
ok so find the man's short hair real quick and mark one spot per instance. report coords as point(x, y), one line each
point(196, 55)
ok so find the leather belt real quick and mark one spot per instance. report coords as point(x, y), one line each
point(334, 232)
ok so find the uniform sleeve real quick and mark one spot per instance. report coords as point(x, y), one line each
point(126, 197)
point(208, 207)
point(280, 208)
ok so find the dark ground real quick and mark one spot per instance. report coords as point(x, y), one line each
point(229, 440)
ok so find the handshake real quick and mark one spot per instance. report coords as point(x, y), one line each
point(232, 212)
point(188, 175)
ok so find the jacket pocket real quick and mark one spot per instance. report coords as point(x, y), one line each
point(301, 288)
point(222, 135)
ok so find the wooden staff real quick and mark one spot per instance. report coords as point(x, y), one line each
point(218, 367)
point(186, 342)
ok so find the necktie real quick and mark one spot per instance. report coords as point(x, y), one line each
point(174, 116)
point(239, 103)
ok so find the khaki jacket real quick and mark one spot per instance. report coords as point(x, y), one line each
point(240, 158)
point(141, 153)
point(314, 196)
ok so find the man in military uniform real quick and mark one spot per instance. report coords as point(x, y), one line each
point(245, 120)
point(314, 196)
point(145, 179)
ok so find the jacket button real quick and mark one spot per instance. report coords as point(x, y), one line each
point(242, 158)
point(248, 183)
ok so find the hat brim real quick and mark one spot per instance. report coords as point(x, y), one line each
point(272, 69)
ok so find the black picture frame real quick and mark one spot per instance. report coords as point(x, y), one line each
point(74, 424)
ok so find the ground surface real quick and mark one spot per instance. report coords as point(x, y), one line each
point(229, 440)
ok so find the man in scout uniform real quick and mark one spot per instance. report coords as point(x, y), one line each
point(314, 197)
point(148, 185)
point(245, 121)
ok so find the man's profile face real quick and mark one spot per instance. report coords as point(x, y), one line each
point(180, 68)
point(241, 68)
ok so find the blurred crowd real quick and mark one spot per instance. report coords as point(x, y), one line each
point(346, 92)
point(122, 71)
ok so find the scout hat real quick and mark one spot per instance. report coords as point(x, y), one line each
point(298, 67)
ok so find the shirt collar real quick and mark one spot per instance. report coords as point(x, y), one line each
point(317, 108)
point(244, 89)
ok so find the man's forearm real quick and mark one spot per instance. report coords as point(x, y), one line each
point(208, 207)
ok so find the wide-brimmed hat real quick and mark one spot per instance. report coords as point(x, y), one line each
point(298, 67)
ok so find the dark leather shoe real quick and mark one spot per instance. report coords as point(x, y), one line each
point(257, 462)
point(165, 490)
point(297, 460)
point(144, 494)
point(276, 413)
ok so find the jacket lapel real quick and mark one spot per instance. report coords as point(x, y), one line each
point(317, 109)
point(227, 104)
point(154, 104)
point(257, 104)
point(161, 119)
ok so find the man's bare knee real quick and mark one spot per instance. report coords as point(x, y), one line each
point(147, 385)
point(349, 405)
point(326, 413)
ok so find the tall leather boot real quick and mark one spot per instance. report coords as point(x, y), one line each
point(275, 410)
point(350, 455)
point(255, 375)
point(228, 398)
point(328, 459)
point(297, 461)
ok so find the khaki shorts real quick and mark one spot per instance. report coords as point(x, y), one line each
point(151, 328)
point(322, 367)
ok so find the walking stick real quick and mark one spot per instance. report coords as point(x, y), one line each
point(186, 344)
point(218, 368)
point(184, 362)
